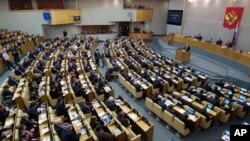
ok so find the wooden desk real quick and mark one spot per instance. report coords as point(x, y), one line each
point(141, 35)
point(242, 58)
point(183, 56)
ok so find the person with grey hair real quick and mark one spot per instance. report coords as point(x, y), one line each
point(68, 134)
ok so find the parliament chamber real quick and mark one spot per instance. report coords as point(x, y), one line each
point(92, 70)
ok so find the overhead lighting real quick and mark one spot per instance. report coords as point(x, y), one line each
point(191, 1)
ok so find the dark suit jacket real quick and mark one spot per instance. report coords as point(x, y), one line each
point(104, 136)
point(68, 135)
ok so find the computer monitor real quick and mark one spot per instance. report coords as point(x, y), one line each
point(243, 90)
point(242, 97)
point(77, 18)
point(209, 106)
point(227, 132)
point(190, 111)
point(227, 101)
point(46, 16)
point(106, 119)
point(219, 88)
point(229, 92)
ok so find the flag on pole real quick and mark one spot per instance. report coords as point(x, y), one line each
point(235, 34)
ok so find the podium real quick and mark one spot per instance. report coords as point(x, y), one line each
point(182, 55)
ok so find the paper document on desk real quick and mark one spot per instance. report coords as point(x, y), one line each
point(8, 123)
point(192, 117)
point(225, 138)
point(101, 114)
point(181, 111)
point(168, 103)
point(83, 131)
point(107, 88)
point(46, 139)
point(73, 115)
point(133, 116)
point(40, 121)
point(45, 130)
point(117, 131)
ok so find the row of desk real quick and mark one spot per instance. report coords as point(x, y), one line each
point(242, 58)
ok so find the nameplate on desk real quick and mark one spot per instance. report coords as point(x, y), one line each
point(239, 132)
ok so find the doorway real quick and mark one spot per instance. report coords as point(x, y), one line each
point(123, 29)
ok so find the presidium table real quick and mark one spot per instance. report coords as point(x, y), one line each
point(238, 56)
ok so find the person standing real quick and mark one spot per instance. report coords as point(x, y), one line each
point(7, 61)
point(65, 33)
point(15, 54)
point(97, 56)
point(103, 59)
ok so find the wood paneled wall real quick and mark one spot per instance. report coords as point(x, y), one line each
point(144, 15)
point(64, 16)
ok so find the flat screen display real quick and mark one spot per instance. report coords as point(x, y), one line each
point(77, 18)
point(46, 16)
point(174, 17)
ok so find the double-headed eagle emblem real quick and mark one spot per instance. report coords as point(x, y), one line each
point(231, 17)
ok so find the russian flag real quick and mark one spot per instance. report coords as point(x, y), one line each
point(235, 34)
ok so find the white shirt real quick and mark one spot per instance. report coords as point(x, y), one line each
point(6, 56)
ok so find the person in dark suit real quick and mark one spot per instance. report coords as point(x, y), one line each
point(86, 107)
point(204, 113)
point(122, 118)
point(220, 83)
point(12, 81)
point(68, 134)
point(110, 103)
point(102, 135)
point(32, 111)
point(7, 94)
point(188, 123)
point(94, 122)
point(61, 110)
point(4, 113)
point(207, 86)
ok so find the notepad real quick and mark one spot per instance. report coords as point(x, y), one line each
point(46, 139)
point(181, 111)
point(101, 114)
point(45, 130)
point(8, 123)
point(117, 131)
point(83, 131)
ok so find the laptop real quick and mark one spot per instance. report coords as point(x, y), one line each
point(229, 92)
point(227, 101)
point(242, 97)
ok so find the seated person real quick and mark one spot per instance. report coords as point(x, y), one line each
point(26, 134)
point(7, 94)
point(68, 134)
point(188, 123)
point(30, 124)
point(186, 48)
point(12, 81)
point(94, 122)
point(219, 42)
point(4, 113)
point(102, 135)
point(229, 44)
point(32, 111)
point(122, 118)
point(61, 110)
point(109, 74)
point(4, 135)
point(110, 103)
point(86, 107)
